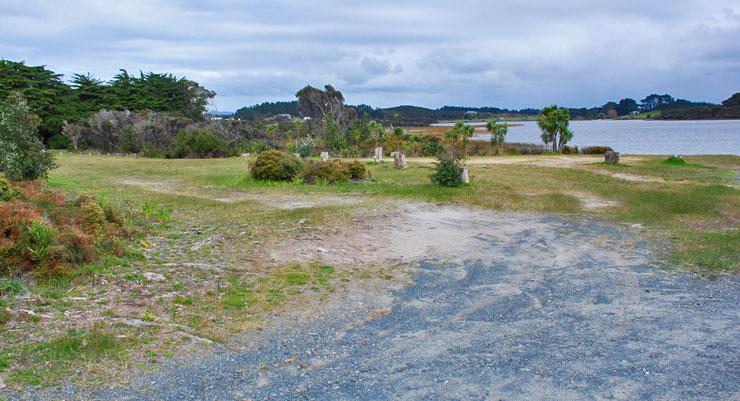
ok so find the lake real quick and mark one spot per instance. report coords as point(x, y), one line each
point(656, 137)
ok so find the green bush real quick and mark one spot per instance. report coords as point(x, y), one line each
point(331, 172)
point(357, 170)
point(6, 191)
point(22, 155)
point(196, 144)
point(447, 172)
point(274, 165)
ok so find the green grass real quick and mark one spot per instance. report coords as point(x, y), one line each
point(712, 251)
point(693, 191)
point(49, 361)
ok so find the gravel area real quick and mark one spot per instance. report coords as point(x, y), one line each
point(537, 307)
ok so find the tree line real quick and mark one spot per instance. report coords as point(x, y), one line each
point(56, 101)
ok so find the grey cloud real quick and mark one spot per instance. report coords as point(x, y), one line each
point(432, 52)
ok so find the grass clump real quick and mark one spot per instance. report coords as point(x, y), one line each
point(274, 165)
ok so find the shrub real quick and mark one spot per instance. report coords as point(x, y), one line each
point(569, 150)
point(595, 150)
point(357, 170)
point(274, 165)
point(305, 147)
point(331, 171)
point(447, 172)
point(198, 144)
point(22, 155)
point(7, 192)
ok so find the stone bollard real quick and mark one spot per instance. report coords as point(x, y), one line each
point(611, 157)
point(324, 156)
point(465, 176)
point(400, 160)
point(378, 154)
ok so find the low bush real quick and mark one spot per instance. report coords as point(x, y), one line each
point(595, 150)
point(331, 172)
point(42, 231)
point(274, 165)
point(358, 171)
point(197, 144)
point(569, 150)
point(447, 172)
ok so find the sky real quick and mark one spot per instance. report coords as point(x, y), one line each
point(511, 54)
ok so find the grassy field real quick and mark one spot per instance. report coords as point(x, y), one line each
point(695, 204)
point(213, 250)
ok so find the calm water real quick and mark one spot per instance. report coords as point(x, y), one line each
point(643, 137)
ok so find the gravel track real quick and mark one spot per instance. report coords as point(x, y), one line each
point(539, 308)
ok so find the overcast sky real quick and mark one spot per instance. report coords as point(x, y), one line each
point(513, 54)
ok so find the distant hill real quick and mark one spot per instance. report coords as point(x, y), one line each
point(408, 115)
point(728, 110)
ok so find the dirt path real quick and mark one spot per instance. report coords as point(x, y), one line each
point(502, 306)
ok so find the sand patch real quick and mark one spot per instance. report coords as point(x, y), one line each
point(410, 233)
point(631, 177)
point(592, 202)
